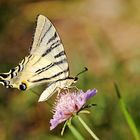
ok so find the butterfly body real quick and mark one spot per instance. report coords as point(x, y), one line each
point(46, 63)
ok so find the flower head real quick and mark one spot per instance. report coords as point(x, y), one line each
point(68, 104)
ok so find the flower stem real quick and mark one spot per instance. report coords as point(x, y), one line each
point(127, 115)
point(77, 135)
point(63, 129)
point(87, 128)
point(129, 120)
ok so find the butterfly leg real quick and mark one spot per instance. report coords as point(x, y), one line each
point(74, 88)
point(67, 90)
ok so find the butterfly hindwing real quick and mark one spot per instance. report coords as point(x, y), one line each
point(7, 79)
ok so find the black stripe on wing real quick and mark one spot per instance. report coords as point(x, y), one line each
point(62, 79)
point(53, 46)
point(52, 38)
point(50, 66)
point(10, 74)
point(54, 76)
point(46, 33)
point(4, 76)
point(39, 39)
point(6, 83)
point(59, 54)
point(14, 71)
point(60, 62)
point(44, 68)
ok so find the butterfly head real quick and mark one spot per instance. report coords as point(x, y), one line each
point(73, 80)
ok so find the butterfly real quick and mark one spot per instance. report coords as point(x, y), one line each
point(46, 63)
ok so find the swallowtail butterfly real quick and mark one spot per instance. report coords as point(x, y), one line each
point(46, 63)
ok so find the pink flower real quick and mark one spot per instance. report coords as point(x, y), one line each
point(68, 104)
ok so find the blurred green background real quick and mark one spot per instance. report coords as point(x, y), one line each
point(101, 35)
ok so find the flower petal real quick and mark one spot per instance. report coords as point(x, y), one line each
point(90, 93)
point(68, 104)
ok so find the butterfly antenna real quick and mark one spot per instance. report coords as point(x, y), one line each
point(85, 69)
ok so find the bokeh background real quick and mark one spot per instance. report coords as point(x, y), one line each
point(103, 35)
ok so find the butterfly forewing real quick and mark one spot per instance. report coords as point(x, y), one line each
point(50, 48)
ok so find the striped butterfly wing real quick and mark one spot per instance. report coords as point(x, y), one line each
point(8, 79)
point(57, 69)
point(47, 61)
point(47, 46)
